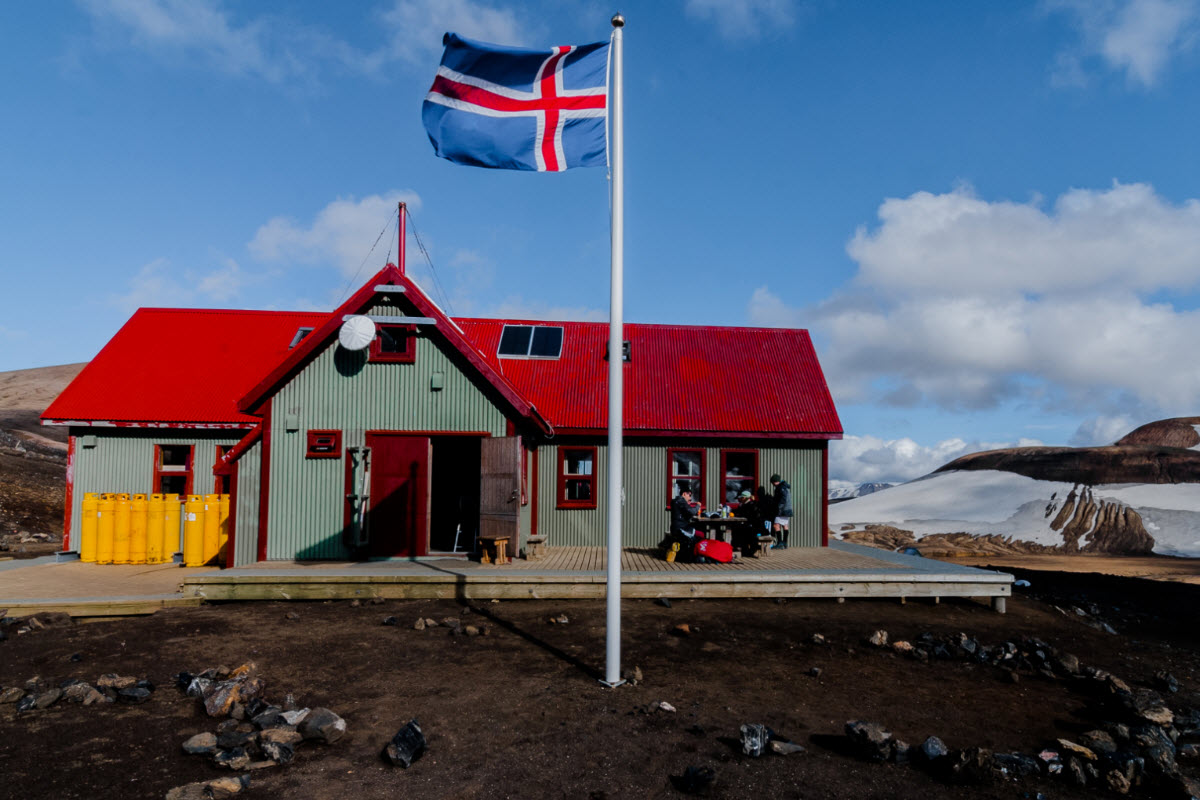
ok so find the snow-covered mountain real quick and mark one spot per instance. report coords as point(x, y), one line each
point(850, 492)
point(1136, 496)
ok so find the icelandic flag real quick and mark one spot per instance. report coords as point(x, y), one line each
point(510, 108)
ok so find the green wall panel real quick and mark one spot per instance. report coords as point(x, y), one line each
point(340, 390)
point(245, 540)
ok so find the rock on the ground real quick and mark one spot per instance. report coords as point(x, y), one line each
point(322, 725)
point(869, 740)
point(878, 639)
point(406, 746)
point(201, 744)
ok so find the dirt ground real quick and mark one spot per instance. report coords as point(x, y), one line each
point(519, 712)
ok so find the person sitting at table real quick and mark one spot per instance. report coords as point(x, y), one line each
point(683, 532)
point(745, 536)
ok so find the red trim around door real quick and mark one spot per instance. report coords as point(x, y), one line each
point(825, 496)
point(66, 542)
point(264, 482)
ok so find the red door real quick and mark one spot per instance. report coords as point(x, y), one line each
point(398, 520)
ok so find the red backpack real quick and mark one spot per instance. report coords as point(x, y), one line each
point(715, 549)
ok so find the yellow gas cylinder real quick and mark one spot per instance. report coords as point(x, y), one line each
point(155, 525)
point(106, 520)
point(88, 526)
point(223, 529)
point(212, 526)
point(172, 535)
point(121, 530)
point(193, 531)
point(138, 509)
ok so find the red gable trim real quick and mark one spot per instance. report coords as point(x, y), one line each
point(307, 349)
point(699, 434)
point(99, 423)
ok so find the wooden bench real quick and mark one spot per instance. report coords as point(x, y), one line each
point(493, 550)
point(765, 543)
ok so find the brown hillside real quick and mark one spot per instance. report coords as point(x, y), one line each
point(1177, 432)
point(1090, 465)
point(24, 395)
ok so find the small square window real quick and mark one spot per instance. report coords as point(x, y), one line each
point(577, 477)
point(685, 471)
point(394, 343)
point(324, 444)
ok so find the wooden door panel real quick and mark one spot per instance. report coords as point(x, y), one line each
point(398, 519)
point(500, 487)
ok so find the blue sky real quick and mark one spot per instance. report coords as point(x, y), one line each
point(984, 212)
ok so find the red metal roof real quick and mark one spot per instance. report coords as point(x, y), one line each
point(680, 379)
point(182, 366)
point(211, 367)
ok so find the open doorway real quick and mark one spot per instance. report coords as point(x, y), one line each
point(454, 493)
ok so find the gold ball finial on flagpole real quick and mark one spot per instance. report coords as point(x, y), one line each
point(618, 20)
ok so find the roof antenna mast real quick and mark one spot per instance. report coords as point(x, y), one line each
point(402, 210)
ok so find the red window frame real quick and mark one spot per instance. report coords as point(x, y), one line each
point(406, 334)
point(317, 438)
point(564, 476)
point(173, 470)
point(726, 477)
point(697, 496)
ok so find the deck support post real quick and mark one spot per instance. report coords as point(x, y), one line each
point(999, 605)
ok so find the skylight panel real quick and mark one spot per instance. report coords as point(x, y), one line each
point(531, 341)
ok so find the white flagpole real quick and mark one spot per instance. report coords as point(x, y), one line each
point(616, 353)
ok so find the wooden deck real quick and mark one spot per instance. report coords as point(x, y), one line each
point(840, 571)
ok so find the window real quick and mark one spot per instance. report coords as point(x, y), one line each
point(531, 341)
point(395, 344)
point(686, 471)
point(173, 469)
point(222, 483)
point(324, 444)
point(299, 337)
point(576, 477)
point(739, 471)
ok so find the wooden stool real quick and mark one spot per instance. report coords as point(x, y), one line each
point(765, 543)
point(498, 545)
point(535, 548)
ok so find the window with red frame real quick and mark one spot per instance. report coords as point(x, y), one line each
point(576, 477)
point(739, 473)
point(173, 469)
point(395, 344)
point(685, 471)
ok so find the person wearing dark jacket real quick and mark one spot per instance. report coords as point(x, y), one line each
point(745, 536)
point(783, 511)
point(683, 509)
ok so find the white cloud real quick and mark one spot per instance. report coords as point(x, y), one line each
point(1100, 431)
point(865, 459)
point(159, 283)
point(516, 307)
point(744, 19)
point(1137, 37)
point(970, 304)
point(340, 235)
point(415, 27)
point(277, 48)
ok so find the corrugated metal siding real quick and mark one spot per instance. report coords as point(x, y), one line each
point(645, 519)
point(338, 390)
point(123, 461)
point(245, 542)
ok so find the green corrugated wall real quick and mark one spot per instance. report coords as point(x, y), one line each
point(123, 461)
point(245, 541)
point(645, 519)
point(340, 390)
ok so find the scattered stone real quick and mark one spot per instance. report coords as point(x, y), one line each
point(1076, 749)
point(869, 740)
point(878, 639)
point(817, 639)
point(35, 685)
point(75, 658)
point(785, 748)
point(218, 789)
point(26, 703)
point(972, 766)
point(377, 601)
point(1098, 741)
point(355, 603)
point(419, 625)
point(133, 695)
point(201, 744)
point(295, 716)
point(278, 752)
point(454, 623)
point(637, 674)
point(663, 705)
point(1188, 752)
point(561, 619)
point(80, 692)
point(430, 623)
point(1067, 664)
point(682, 629)
point(12, 694)
point(664, 602)
point(47, 699)
point(280, 736)
point(1166, 681)
point(292, 615)
point(322, 725)
point(234, 759)
point(755, 738)
point(470, 630)
point(228, 740)
point(113, 681)
point(35, 624)
point(393, 622)
point(1017, 764)
point(903, 647)
point(933, 749)
point(406, 746)
point(814, 672)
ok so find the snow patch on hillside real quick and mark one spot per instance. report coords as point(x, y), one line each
point(1004, 503)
